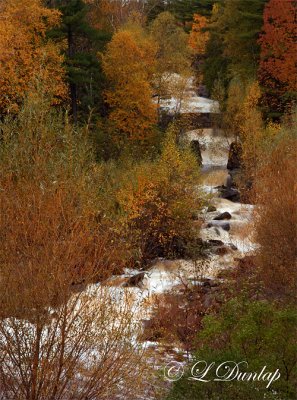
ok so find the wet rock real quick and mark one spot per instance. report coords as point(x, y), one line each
point(217, 232)
point(214, 242)
point(135, 280)
point(229, 181)
point(224, 215)
point(211, 208)
point(195, 146)
point(232, 246)
point(231, 194)
point(225, 225)
point(235, 156)
point(202, 91)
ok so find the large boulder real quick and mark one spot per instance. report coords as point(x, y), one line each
point(219, 224)
point(215, 242)
point(224, 215)
point(135, 280)
point(231, 194)
point(235, 156)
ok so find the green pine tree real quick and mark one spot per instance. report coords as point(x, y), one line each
point(239, 24)
point(233, 50)
point(184, 10)
point(83, 42)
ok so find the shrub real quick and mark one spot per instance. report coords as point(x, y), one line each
point(276, 217)
point(57, 342)
point(257, 332)
point(154, 200)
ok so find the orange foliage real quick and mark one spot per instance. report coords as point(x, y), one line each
point(128, 64)
point(27, 58)
point(158, 199)
point(278, 66)
point(198, 37)
point(276, 221)
point(50, 224)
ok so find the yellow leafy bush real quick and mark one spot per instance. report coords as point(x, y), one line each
point(155, 201)
point(27, 58)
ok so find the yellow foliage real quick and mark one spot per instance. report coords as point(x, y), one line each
point(173, 55)
point(198, 37)
point(27, 58)
point(128, 64)
point(155, 200)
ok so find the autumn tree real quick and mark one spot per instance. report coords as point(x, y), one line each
point(183, 10)
point(198, 36)
point(27, 58)
point(154, 201)
point(155, 7)
point(128, 64)
point(215, 62)
point(198, 39)
point(82, 40)
point(233, 50)
point(173, 55)
point(252, 134)
point(115, 13)
point(241, 24)
point(278, 66)
point(60, 338)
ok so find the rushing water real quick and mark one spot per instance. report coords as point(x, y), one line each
point(166, 275)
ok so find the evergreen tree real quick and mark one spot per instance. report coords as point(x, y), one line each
point(233, 50)
point(154, 8)
point(215, 64)
point(83, 42)
point(239, 23)
point(184, 10)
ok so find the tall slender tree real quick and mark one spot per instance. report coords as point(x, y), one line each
point(173, 55)
point(239, 23)
point(128, 64)
point(83, 42)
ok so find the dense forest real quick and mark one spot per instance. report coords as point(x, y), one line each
point(148, 199)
